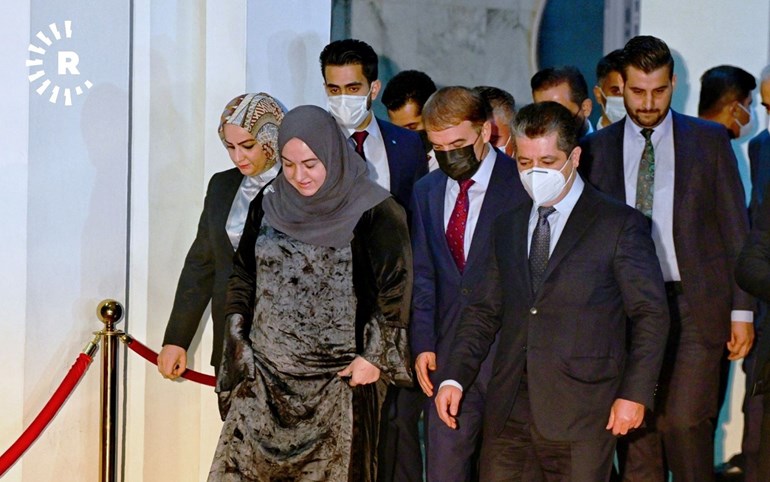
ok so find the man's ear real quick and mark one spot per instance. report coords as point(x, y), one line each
point(586, 107)
point(376, 86)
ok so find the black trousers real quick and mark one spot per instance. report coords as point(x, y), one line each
point(521, 453)
point(680, 435)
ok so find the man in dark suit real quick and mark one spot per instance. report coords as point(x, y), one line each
point(575, 289)
point(394, 155)
point(396, 160)
point(759, 158)
point(753, 274)
point(681, 173)
point(759, 149)
point(446, 271)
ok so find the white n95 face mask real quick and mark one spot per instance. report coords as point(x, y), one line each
point(614, 108)
point(544, 185)
point(747, 128)
point(349, 110)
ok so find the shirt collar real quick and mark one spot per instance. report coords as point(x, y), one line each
point(373, 129)
point(484, 174)
point(566, 205)
point(659, 131)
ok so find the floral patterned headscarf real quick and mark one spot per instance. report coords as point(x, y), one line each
point(260, 114)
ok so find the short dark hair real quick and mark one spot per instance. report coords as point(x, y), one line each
point(408, 86)
point(450, 106)
point(612, 62)
point(544, 118)
point(499, 100)
point(648, 54)
point(350, 52)
point(721, 85)
point(553, 76)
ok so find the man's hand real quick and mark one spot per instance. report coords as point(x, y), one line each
point(741, 339)
point(172, 361)
point(361, 372)
point(425, 362)
point(448, 404)
point(625, 415)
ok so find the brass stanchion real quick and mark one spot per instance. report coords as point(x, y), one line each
point(109, 312)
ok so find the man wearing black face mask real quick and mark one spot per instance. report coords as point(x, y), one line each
point(453, 209)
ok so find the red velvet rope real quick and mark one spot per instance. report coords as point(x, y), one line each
point(152, 357)
point(46, 415)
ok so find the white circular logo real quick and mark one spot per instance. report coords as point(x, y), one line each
point(66, 65)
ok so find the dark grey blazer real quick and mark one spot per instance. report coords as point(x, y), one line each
point(710, 216)
point(602, 287)
point(206, 269)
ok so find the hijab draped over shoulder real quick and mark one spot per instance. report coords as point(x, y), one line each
point(328, 217)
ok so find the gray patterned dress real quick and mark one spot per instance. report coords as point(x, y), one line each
point(297, 420)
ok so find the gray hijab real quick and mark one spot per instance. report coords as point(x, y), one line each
point(328, 217)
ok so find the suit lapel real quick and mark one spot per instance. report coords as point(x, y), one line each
point(391, 150)
point(683, 152)
point(436, 207)
point(496, 194)
point(618, 173)
point(581, 218)
point(520, 253)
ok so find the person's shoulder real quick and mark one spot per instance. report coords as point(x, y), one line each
point(611, 132)
point(393, 133)
point(708, 127)
point(226, 177)
point(429, 181)
point(607, 206)
point(763, 138)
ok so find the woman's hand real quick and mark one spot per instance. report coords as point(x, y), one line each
point(360, 372)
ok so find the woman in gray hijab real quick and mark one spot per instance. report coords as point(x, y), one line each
point(248, 129)
point(317, 313)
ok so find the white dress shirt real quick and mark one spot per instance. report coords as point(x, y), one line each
point(376, 155)
point(558, 219)
point(663, 194)
point(476, 194)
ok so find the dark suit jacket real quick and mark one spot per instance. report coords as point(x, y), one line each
point(206, 269)
point(710, 219)
point(759, 160)
point(753, 274)
point(602, 287)
point(406, 159)
point(440, 290)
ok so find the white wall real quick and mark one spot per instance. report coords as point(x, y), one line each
point(190, 59)
point(64, 211)
point(702, 35)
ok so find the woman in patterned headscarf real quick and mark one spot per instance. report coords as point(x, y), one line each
point(317, 313)
point(249, 130)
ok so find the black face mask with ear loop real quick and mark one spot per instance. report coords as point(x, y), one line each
point(459, 164)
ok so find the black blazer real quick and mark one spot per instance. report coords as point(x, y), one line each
point(753, 275)
point(710, 217)
point(602, 288)
point(206, 269)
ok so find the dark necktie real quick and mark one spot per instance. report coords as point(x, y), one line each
point(455, 229)
point(645, 182)
point(539, 251)
point(358, 138)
